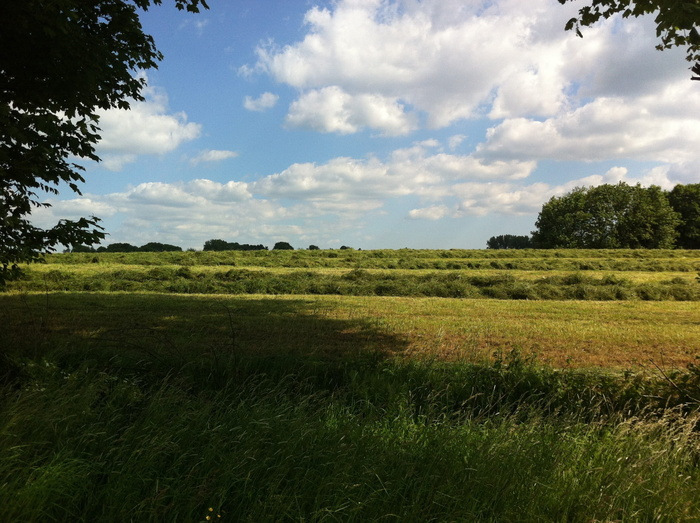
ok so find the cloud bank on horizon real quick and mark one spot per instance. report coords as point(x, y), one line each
point(448, 121)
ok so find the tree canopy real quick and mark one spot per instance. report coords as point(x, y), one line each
point(509, 241)
point(685, 200)
point(222, 245)
point(608, 217)
point(61, 62)
point(677, 21)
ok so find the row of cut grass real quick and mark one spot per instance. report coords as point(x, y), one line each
point(519, 285)
point(570, 259)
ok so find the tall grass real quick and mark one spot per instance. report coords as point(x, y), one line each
point(357, 440)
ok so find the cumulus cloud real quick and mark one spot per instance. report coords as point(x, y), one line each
point(434, 212)
point(455, 141)
point(146, 128)
point(480, 199)
point(649, 127)
point(72, 209)
point(333, 110)
point(116, 162)
point(342, 192)
point(228, 192)
point(261, 103)
point(396, 66)
point(195, 193)
point(475, 198)
point(442, 58)
point(316, 201)
point(212, 155)
point(414, 170)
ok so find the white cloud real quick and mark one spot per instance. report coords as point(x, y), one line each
point(116, 162)
point(261, 103)
point(650, 127)
point(480, 199)
point(72, 209)
point(186, 213)
point(394, 66)
point(212, 155)
point(441, 57)
point(195, 193)
point(146, 128)
point(455, 141)
point(476, 198)
point(332, 110)
point(319, 202)
point(434, 212)
point(413, 170)
point(200, 24)
point(218, 192)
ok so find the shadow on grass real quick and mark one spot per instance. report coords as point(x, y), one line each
point(216, 336)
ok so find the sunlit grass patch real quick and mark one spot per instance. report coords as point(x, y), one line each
point(572, 333)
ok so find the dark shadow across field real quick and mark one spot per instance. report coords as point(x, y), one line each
point(135, 329)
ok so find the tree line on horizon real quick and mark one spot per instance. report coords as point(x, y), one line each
point(209, 245)
point(619, 216)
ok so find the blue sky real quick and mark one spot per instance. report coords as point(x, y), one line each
point(382, 124)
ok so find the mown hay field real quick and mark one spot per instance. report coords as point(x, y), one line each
point(626, 309)
point(352, 386)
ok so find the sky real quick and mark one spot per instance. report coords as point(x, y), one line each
point(427, 124)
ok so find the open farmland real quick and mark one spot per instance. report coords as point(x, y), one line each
point(531, 274)
point(353, 385)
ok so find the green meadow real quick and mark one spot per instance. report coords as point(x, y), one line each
point(558, 385)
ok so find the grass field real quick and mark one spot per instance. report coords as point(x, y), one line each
point(404, 386)
point(537, 275)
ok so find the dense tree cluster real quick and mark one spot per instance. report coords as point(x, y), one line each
point(127, 247)
point(620, 216)
point(209, 245)
point(509, 241)
point(222, 245)
point(685, 200)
